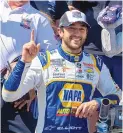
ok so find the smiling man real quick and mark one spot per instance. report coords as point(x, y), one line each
point(65, 79)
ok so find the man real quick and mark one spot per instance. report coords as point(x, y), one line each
point(94, 42)
point(65, 78)
point(17, 19)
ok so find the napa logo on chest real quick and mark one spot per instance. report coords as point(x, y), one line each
point(71, 95)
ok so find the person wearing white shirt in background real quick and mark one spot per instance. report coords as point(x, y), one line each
point(17, 19)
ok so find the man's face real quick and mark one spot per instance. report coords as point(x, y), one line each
point(74, 36)
point(20, 2)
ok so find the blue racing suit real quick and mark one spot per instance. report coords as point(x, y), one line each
point(63, 82)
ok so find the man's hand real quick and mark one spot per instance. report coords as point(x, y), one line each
point(30, 50)
point(87, 109)
point(25, 100)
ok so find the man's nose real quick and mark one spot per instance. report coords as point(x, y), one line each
point(77, 31)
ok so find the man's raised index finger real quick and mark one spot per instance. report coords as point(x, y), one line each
point(32, 35)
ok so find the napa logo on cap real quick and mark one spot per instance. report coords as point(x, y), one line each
point(71, 95)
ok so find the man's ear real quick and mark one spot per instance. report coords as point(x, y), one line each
point(60, 32)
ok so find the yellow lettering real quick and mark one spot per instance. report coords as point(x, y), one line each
point(63, 111)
